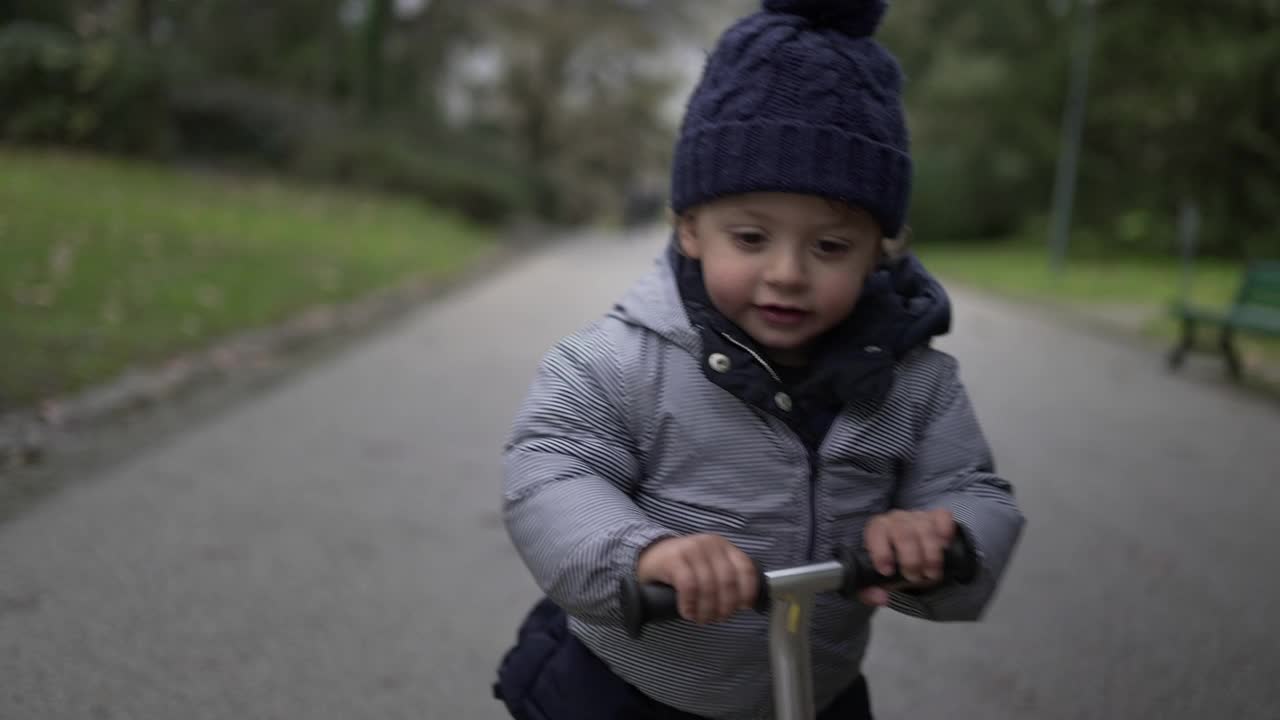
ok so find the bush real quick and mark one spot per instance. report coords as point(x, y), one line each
point(942, 209)
point(226, 121)
point(230, 123)
point(437, 171)
point(57, 89)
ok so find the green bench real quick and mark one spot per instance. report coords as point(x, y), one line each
point(1256, 309)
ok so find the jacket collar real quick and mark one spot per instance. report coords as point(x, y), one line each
point(901, 308)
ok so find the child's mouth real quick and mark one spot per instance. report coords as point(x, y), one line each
point(779, 315)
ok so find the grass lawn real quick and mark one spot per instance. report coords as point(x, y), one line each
point(104, 263)
point(1137, 291)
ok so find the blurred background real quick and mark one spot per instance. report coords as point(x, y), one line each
point(1064, 150)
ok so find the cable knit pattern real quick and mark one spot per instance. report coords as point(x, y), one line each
point(799, 98)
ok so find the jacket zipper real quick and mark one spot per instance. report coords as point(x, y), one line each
point(813, 503)
point(810, 454)
point(745, 348)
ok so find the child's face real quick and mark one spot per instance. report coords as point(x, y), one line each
point(786, 268)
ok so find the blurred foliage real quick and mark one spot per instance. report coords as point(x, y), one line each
point(1183, 106)
point(511, 107)
point(98, 93)
point(578, 99)
point(565, 121)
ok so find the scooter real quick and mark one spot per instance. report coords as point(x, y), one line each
point(786, 595)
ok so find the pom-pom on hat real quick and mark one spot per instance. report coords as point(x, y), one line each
point(799, 97)
point(858, 18)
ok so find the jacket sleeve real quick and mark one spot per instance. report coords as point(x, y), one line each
point(571, 467)
point(953, 469)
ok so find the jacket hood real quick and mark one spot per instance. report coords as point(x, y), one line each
point(902, 305)
point(901, 308)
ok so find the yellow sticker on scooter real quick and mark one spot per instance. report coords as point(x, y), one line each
point(793, 619)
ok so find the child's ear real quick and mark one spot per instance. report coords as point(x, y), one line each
point(896, 247)
point(687, 233)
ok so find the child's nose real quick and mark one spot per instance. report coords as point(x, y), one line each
point(785, 269)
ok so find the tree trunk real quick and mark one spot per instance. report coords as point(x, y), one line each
point(374, 58)
point(143, 12)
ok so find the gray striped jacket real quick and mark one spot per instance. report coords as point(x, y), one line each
point(623, 441)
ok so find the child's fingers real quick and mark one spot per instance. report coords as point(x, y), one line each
point(874, 596)
point(728, 594)
point(712, 578)
point(937, 529)
point(879, 548)
point(685, 581)
point(910, 543)
point(931, 545)
point(906, 539)
point(747, 578)
point(944, 524)
point(706, 592)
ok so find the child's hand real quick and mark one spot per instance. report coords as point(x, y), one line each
point(910, 543)
point(713, 578)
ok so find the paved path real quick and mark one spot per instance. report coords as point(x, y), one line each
point(333, 550)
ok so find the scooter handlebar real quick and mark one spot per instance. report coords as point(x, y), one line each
point(959, 566)
point(644, 603)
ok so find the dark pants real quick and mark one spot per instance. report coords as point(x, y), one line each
point(551, 675)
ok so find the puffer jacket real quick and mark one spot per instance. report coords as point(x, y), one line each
point(662, 419)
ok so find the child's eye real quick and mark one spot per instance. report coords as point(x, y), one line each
point(832, 247)
point(748, 238)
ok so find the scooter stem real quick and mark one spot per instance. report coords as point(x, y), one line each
point(791, 593)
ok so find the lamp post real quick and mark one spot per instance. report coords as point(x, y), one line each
point(1064, 186)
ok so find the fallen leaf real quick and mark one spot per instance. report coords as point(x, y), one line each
point(209, 296)
point(112, 312)
point(43, 295)
point(151, 245)
point(61, 258)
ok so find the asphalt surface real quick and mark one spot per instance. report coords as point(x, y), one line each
point(332, 549)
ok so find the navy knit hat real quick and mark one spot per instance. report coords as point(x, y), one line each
point(799, 97)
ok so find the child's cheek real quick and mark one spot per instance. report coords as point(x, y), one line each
point(839, 298)
point(730, 291)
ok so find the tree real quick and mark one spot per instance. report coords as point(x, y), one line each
point(581, 90)
point(374, 59)
point(1182, 105)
